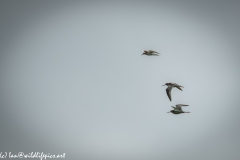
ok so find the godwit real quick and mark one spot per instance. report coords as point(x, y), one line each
point(169, 88)
point(150, 53)
point(178, 109)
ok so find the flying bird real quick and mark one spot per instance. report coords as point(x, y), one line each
point(169, 88)
point(150, 53)
point(178, 109)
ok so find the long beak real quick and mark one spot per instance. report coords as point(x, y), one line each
point(168, 112)
point(164, 85)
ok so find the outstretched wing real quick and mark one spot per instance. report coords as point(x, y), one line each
point(176, 109)
point(182, 105)
point(168, 90)
point(152, 51)
point(177, 86)
point(179, 106)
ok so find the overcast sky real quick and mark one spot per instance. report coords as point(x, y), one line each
point(73, 79)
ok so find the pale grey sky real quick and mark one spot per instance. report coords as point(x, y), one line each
point(73, 79)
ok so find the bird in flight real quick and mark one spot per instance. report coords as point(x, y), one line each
point(150, 53)
point(178, 109)
point(169, 88)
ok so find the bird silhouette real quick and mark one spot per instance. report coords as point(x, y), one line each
point(169, 88)
point(178, 109)
point(150, 53)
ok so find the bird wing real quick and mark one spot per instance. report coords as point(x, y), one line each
point(176, 109)
point(168, 90)
point(179, 106)
point(177, 86)
point(182, 105)
point(152, 51)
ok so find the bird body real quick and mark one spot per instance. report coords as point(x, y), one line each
point(169, 88)
point(150, 53)
point(177, 112)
